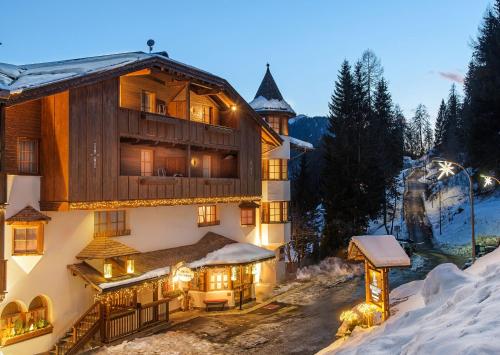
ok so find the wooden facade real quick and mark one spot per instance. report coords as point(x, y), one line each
point(87, 141)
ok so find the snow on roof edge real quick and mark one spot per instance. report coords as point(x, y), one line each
point(235, 253)
point(146, 276)
point(381, 250)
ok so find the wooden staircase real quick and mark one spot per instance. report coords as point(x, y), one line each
point(81, 332)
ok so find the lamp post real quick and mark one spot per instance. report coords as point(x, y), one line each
point(490, 180)
point(446, 169)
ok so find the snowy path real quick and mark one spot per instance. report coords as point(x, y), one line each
point(418, 224)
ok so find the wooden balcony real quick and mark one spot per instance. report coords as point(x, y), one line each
point(144, 125)
point(164, 187)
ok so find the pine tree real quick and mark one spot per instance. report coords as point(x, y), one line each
point(341, 184)
point(439, 126)
point(482, 106)
point(372, 72)
point(419, 123)
point(452, 126)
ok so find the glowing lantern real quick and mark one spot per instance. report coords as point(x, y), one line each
point(108, 270)
point(130, 266)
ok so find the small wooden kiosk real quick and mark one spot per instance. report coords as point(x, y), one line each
point(379, 253)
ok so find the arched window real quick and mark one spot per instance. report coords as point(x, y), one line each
point(12, 319)
point(18, 323)
point(38, 313)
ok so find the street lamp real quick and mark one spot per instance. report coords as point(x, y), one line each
point(490, 180)
point(446, 169)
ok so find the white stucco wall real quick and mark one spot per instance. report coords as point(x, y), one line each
point(68, 233)
point(276, 190)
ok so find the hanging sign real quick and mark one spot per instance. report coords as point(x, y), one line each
point(184, 274)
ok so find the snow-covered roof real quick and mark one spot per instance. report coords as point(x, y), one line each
point(17, 78)
point(380, 250)
point(297, 143)
point(261, 104)
point(146, 276)
point(234, 254)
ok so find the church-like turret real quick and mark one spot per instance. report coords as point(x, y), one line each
point(271, 105)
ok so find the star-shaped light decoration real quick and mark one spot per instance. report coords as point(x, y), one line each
point(488, 181)
point(446, 169)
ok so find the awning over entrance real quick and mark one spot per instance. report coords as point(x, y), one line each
point(382, 251)
point(157, 264)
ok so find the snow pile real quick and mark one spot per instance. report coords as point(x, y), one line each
point(331, 267)
point(262, 104)
point(236, 253)
point(168, 343)
point(455, 212)
point(146, 276)
point(450, 312)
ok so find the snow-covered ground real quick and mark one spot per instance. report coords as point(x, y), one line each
point(312, 284)
point(455, 212)
point(449, 312)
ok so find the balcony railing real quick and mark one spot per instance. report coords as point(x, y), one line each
point(164, 187)
point(133, 123)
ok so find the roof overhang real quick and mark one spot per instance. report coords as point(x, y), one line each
point(168, 65)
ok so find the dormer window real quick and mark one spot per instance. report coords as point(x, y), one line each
point(27, 231)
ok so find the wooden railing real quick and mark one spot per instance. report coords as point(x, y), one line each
point(124, 323)
point(82, 331)
point(133, 123)
point(117, 324)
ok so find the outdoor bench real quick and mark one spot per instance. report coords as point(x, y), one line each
point(215, 303)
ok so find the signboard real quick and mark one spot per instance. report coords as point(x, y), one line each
point(184, 274)
point(376, 288)
point(375, 282)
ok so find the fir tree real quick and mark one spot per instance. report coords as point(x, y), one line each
point(341, 184)
point(482, 106)
point(452, 126)
point(439, 126)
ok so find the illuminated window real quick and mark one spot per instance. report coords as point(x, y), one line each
point(219, 280)
point(27, 156)
point(247, 216)
point(274, 122)
point(275, 169)
point(110, 223)
point(207, 215)
point(146, 162)
point(27, 240)
point(147, 101)
point(275, 212)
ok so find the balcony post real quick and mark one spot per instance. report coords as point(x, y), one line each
point(3, 201)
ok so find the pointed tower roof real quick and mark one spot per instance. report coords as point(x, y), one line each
point(268, 97)
point(268, 87)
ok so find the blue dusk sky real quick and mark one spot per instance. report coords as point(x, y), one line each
point(424, 45)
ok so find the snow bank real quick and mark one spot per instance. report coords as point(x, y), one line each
point(331, 267)
point(450, 312)
point(236, 253)
point(455, 212)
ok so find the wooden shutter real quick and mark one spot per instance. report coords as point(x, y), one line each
point(265, 212)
